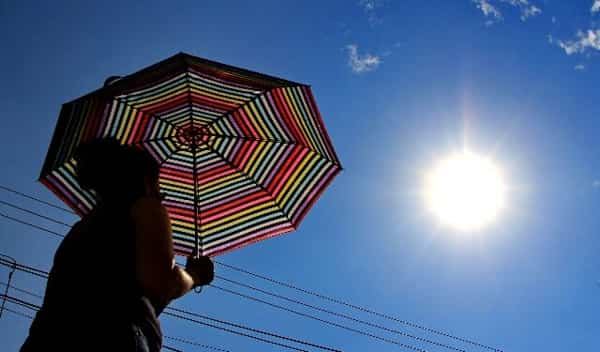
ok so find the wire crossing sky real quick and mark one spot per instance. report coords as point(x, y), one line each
point(400, 85)
point(13, 264)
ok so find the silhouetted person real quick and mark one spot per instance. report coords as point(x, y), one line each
point(115, 271)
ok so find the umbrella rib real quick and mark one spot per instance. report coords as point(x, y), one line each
point(230, 164)
point(177, 150)
point(194, 147)
point(197, 243)
point(229, 112)
point(253, 139)
point(152, 115)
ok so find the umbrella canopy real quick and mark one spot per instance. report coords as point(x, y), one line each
point(243, 156)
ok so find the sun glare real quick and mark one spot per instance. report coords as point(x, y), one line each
point(465, 191)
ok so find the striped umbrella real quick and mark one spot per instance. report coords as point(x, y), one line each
point(243, 155)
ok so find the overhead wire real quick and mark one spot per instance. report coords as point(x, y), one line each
point(192, 343)
point(8, 204)
point(239, 326)
point(33, 225)
point(341, 315)
point(358, 308)
point(21, 290)
point(293, 287)
point(25, 304)
point(327, 322)
point(324, 321)
point(178, 313)
point(236, 332)
point(18, 313)
point(12, 190)
point(25, 268)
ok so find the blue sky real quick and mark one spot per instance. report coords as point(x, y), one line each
point(400, 84)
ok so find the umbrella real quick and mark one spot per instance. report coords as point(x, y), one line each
point(243, 156)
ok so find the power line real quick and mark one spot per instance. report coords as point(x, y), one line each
point(235, 332)
point(27, 292)
point(33, 225)
point(18, 313)
point(344, 327)
point(21, 290)
point(239, 326)
point(21, 302)
point(359, 308)
point(341, 315)
point(24, 304)
point(305, 291)
point(192, 343)
point(8, 204)
point(10, 275)
point(364, 333)
point(296, 312)
point(24, 267)
point(11, 190)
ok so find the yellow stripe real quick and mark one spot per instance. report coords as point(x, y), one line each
point(220, 95)
point(318, 176)
point(220, 182)
point(306, 170)
point(266, 132)
point(298, 115)
point(252, 158)
point(239, 221)
point(293, 179)
point(261, 155)
point(170, 183)
point(166, 95)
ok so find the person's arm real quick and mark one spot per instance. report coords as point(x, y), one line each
point(162, 281)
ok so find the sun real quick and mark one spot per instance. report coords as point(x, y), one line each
point(465, 191)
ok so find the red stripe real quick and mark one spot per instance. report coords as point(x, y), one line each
point(286, 173)
point(264, 236)
point(287, 116)
point(250, 198)
point(239, 122)
point(251, 148)
point(212, 102)
point(165, 172)
point(179, 101)
point(220, 172)
point(315, 112)
point(240, 153)
point(277, 179)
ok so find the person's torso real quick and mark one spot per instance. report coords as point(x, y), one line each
point(92, 288)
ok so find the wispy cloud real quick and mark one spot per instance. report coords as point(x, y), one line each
point(491, 10)
point(527, 9)
point(581, 67)
point(588, 40)
point(361, 64)
point(370, 8)
point(595, 6)
point(596, 183)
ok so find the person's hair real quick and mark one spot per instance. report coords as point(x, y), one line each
point(113, 170)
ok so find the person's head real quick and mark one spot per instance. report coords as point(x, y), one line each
point(116, 172)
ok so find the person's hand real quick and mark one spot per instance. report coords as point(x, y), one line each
point(201, 269)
